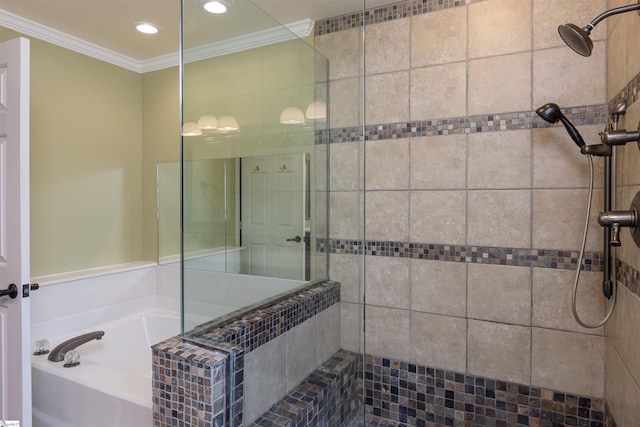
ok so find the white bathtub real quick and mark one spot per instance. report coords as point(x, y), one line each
point(112, 385)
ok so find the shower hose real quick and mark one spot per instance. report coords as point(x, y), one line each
point(574, 293)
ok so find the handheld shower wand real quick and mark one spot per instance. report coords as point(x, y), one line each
point(579, 39)
point(551, 113)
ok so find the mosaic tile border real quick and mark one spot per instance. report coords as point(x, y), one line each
point(521, 120)
point(384, 13)
point(329, 396)
point(629, 93)
point(256, 328)
point(188, 384)
point(628, 276)
point(416, 395)
point(544, 258)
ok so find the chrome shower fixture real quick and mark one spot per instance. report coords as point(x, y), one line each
point(578, 38)
point(618, 219)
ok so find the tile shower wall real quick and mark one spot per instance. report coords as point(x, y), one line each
point(474, 207)
point(623, 338)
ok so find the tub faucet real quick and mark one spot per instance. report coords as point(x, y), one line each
point(57, 354)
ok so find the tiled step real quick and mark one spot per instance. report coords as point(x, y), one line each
point(327, 397)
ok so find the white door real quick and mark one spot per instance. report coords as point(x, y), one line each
point(15, 324)
point(273, 215)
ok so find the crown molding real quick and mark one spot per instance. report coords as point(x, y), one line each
point(237, 44)
point(58, 38)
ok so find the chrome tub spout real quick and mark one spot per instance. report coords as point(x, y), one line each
point(57, 354)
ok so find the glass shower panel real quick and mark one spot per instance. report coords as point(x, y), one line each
point(254, 192)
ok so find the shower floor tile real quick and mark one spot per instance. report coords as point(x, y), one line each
point(373, 421)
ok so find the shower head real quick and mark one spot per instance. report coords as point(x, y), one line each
point(578, 38)
point(551, 113)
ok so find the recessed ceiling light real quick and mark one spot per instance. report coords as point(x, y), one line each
point(215, 6)
point(146, 28)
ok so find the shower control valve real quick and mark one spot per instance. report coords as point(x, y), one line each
point(620, 137)
point(618, 219)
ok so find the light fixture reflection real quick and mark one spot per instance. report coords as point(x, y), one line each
point(317, 110)
point(215, 6)
point(208, 122)
point(228, 124)
point(191, 129)
point(146, 28)
point(291, 116)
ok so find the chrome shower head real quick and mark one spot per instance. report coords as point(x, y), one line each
point(551, 113)
point(577, 38)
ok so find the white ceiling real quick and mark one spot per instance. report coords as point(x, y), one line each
point(109, 24)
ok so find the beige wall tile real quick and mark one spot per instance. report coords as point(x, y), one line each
point(558, 219)
point(491, 224)
point(614, 383)
point(568, 361)
point(552, 291)
point(345, 214)
point(387, 215)
point(631, 43)
point(351, 326)
point(439, 37)
point(631, 399)
point(561, 76)
point(387, 164)
point(500, 159)
point(615, 326)
point(342, 48)
point(438, 341)
point(557, 161)
point(632, 335)
point(617, 56)
point(387, 332)
point(506, 21)
point(387, 98)
point(387, 46)
point(548, 14)
point(442, 100)
point(632, 173)
point(439, 287)
point(344, 105)
point(327, 333)
point(346, 160)
point(500, 84)
point(387, 281)
point(347, 269)
point(499, 293)
point(438, 216)
point(438, 162)
point(301, 352)
point(499, 351)
point(264, 377)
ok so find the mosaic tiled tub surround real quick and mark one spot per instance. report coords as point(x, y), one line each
point(414, 395)
point(217, 347)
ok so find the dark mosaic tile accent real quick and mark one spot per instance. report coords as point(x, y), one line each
point(416, 395)
point(629, 93)
point(628, 276)
point(188, 384)
point(584, 115)
point(327, 397)
point(384, 13)
point(251, 330)
point(580, 116)
point(608, 418)
point(544, 258)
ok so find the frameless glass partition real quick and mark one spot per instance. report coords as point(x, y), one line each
point(254, 169)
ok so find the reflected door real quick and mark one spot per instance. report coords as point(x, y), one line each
point(273, 216)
